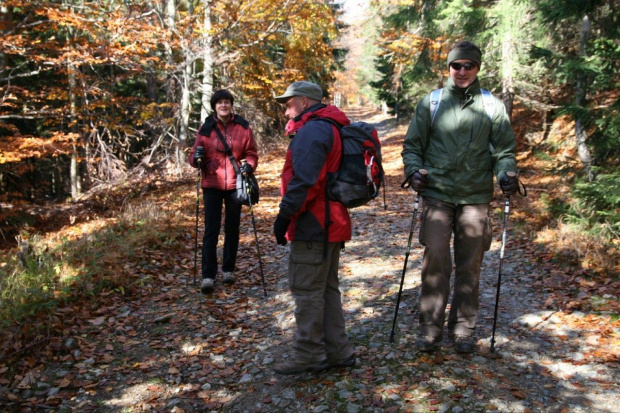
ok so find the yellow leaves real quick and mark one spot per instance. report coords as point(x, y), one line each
point(265, 80)
point(14, 149)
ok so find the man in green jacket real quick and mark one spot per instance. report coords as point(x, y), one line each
point(461, 138)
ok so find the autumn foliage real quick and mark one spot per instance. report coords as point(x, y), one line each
point(103, 87)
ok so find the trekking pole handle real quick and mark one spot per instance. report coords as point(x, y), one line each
point(423, 172)
point(406, 183)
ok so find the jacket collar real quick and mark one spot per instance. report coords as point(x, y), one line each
point(293, 125)
point(463, 93)
point(212, 120)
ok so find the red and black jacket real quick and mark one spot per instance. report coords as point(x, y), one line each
point(314, 150)
point(217, 171)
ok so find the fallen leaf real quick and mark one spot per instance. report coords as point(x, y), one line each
point(97, 321)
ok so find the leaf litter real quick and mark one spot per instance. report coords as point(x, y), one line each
point(169, 348)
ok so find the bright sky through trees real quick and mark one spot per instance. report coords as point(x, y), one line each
point(354, 10)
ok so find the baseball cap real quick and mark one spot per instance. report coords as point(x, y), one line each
point(302, 88)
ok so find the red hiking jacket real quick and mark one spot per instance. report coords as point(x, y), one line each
point(217, 171)
point(314, 150)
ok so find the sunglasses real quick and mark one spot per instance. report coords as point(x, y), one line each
point(467, 66)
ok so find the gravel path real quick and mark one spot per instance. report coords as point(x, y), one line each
point(174, 350)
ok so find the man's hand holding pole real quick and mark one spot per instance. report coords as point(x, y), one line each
point(419, 180)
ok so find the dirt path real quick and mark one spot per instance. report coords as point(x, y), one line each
point(175, 350)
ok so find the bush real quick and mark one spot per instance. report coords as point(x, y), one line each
point(598, 204)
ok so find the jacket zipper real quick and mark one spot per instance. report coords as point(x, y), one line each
point(225, 160)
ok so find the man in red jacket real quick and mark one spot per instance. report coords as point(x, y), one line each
point(317, 229)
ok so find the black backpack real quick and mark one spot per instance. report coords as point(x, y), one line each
point(360, 174)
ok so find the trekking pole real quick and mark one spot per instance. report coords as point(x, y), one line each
point(501, 260)
point(197, 212)
point(411, 229)
point(260, 261)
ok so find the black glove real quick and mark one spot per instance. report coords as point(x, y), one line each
point(418, 181)
point(280, 226)
point(246, 168)
point(509, 184)
point(199, 155)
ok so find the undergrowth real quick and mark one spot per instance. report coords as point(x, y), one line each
point(51, 273)
point(584, 223)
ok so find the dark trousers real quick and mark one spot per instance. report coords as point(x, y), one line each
point(213, 199)
point(470, 226)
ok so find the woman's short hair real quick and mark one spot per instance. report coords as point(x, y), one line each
point(221, 95)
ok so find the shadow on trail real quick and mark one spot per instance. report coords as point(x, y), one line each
point(167, 346)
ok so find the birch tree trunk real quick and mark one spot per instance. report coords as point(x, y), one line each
point(207, 72)
point(580, 98)
point(169, 21)
point(74, 171)
point(188, 65)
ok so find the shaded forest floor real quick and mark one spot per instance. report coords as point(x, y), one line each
point(162, 346)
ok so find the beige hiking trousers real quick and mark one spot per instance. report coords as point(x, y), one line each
point(472, 237)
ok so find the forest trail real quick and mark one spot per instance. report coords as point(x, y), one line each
point(175, 350)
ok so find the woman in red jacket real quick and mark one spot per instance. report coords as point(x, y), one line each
point(218, 181)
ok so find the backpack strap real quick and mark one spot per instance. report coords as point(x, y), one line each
point(488, 103)
point(489, 108)
point(435, 99)
point(232, 158)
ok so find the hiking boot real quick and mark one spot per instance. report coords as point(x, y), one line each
point(298, 366)
point(427, 343)
point(228, 278)
point(207, 286)
point(463, 344)
point(348, 362)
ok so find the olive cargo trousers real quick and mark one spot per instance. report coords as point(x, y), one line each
point(313, 282)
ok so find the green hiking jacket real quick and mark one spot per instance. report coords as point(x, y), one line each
point(455, 147)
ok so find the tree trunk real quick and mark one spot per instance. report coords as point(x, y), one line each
point(580, 101)
point(74, 170)
point(169, 21)
point(207, 72)
point(6, 16)
point(508, 58)
point(185, 94)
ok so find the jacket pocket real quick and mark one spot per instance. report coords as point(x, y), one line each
point(478, 164)
point(212, 166)
point(437, 162)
